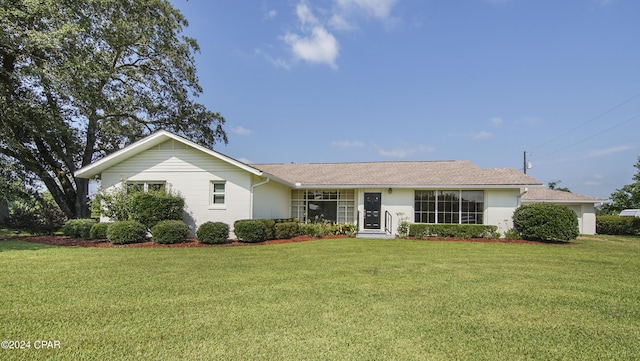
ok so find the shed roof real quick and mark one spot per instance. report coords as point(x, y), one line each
point(541, 195)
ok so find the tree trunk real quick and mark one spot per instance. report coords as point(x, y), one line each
point(82, 191)
point(4, 211)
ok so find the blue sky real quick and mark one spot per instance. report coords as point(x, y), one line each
point(384, 80)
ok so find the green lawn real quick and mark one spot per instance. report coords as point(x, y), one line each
point(342, 299)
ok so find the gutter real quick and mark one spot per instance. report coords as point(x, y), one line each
point(251, 200)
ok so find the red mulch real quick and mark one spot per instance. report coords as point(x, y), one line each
point(192, 242)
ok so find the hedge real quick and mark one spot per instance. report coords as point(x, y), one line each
point(250, 230)
point(463, 231)
point(79, 228)
point(99, 231)
point(618, 225)
point(546, 222)
point(126, 232)
point(287, 230)
point(213, 233)
point(149, 208)
point(170, 231)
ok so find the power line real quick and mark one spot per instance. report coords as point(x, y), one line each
point(587, 122)
point(591, 137)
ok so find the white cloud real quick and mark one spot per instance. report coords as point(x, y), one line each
point(244, 160)
point(480, 135)
point(304, 14)
point(241, 130)
point(314, 42)
point(403, 151)
point(608, 151)
point(270, 14)
point(379, 9)
point(319, 47)
point(497, 121)
point(344, 144)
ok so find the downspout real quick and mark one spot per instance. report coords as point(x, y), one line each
point(520, 196)
point(252, 188)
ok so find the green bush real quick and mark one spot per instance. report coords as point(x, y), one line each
point(99, 231)
point(287, 230)
point(346, 229)
point(546, 222)
point(618, 225)
point(250, 230)
point(313, 229)
point(36, 215)
point(511, 234)
point(170, 231)
point(270, 227)
point(122, 232)
point(462, 231)
point(79, 228)
point(213, 233)
point(151, 207)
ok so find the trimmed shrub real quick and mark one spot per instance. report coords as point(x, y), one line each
point(618, 225)
point(170, 231)
point(151, 207)
point(250, 230)
point(462, 231)
point(213, 233)
point(287, 230)
point(546, 222)
point(123, 232)
point(99, 231)
point(79, 228)
point(270, 227)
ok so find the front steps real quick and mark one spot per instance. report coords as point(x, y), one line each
point(374, 234)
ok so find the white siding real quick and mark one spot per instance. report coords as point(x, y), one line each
point(499, 207)
point(189, 172)
point(271, 200)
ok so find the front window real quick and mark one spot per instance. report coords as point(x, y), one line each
point(450, 206)
point(334, 205)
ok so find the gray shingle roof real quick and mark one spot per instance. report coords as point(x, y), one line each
point(397, 174)
point(551, 195)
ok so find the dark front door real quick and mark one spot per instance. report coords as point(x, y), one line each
point(372, 210)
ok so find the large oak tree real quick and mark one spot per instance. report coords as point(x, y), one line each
point(81, 79)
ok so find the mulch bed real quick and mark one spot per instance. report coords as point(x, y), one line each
point(192, 242)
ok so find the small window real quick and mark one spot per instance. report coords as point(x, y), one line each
point(146, 186)
point(217, 193)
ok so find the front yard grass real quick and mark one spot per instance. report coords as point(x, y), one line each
point(343, 299)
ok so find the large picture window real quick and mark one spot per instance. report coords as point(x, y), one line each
point(334, 205)
point(449, 206)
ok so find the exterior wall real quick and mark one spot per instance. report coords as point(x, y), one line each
point(499, 207)
point(271, 200)
point(398, 201)
point(189, 172)
point(586, 213)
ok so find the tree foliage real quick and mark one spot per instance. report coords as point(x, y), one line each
point(626, 197)
point(82, 79)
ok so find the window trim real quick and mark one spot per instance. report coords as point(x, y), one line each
point(213, 194)
point(437, 210)
point(146, 183)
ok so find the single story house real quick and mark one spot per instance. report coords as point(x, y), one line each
point(373, 195)
point(584, 206)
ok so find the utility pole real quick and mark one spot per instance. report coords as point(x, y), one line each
point(526, 165)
